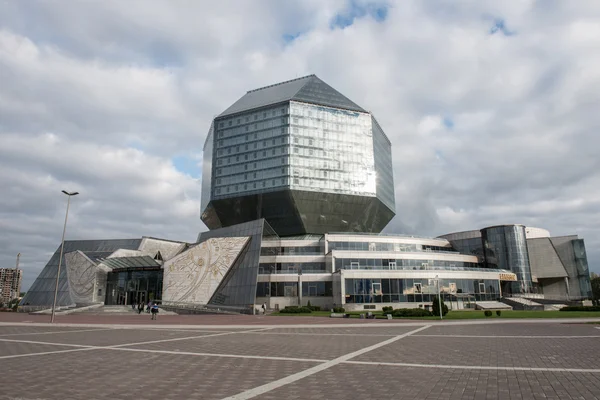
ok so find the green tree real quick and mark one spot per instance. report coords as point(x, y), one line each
point(596, 290)
point(435, 310)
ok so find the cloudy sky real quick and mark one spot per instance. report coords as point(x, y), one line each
point(492, 108)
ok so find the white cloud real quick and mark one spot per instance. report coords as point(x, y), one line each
point(100, 97)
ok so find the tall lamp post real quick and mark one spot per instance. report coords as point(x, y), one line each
point(439, 297)
point(62, 246)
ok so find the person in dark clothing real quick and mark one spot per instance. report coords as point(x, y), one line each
point(154, 310)
point(140, 307)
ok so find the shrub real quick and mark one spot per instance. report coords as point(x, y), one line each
point(411, 312)
point(435, 309)
point(487, 313)
point(312, 308)
point(295, 310)
point(387, 309)
point(581, 308)
point(498, 312)
point(339, 309)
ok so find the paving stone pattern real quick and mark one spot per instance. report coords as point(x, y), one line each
point(515, 329)
point(120, 373)
point(111, 337)
point(13, 348)
point(375, 330)
point(112, 374)
point(13, 330)
point(504, 352)
point(380, 382)
point(311, 347)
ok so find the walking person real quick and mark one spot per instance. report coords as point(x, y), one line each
point(154, 311)
point(149, 307)
point(140, 308)
point(264, 308)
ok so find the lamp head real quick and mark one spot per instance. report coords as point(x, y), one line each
point(70, 194)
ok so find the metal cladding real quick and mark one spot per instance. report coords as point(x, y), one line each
point(303, 157)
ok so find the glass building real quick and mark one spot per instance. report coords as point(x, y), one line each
point(303, 157)
point(297, 185)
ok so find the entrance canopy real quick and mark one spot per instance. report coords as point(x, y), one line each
point(131, 263)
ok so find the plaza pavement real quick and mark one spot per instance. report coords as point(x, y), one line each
point(243, 357)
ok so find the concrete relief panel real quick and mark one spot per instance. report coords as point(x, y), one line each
point(81, 276)
point(194, 275)
point(167, 249)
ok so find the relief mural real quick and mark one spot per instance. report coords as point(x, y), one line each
point(152, 246)
point(194, 275)
point(81, 275)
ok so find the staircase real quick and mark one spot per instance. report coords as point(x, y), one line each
point(122, 310)
point(520, 303)
point(492, 305)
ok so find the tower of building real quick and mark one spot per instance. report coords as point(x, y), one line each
point(302, 156)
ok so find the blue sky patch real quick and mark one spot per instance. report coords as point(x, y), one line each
point(377, 11)
point(186, 165)
point(448, 122)
point(288, 37)
point(500, 26)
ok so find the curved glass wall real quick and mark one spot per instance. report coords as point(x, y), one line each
point(417, 290)
point(505, 247)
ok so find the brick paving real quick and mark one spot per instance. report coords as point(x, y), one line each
point(311, 347)
point(274, 363)
point(501, 352)
point(382, 382)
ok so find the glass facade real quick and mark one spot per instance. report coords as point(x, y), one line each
point(375, 246)
point(289, 154)
point(331, 150)
point(506, 248)
point(473, 246)
point(207, 157)
point(291, 251)
point(417, 290)
point(41, 292)
point(401, 264)
point(290, 289)
point(134, 287)
point(251, 152)
point(382, 148)
point(293, 268)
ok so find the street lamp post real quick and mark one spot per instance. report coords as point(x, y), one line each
point(62, 246)
point(439, 297)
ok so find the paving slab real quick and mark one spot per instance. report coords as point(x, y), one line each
point(111, 374)
point(24, 329)
point(110, 337)
point(306, 347)
point(372, 330)
point(346, 381)
point(505, 352)
point(12, 348)
point(523, 329)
